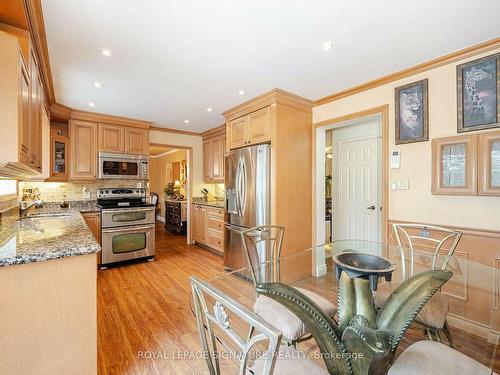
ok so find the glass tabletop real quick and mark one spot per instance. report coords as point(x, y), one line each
point(472, 293)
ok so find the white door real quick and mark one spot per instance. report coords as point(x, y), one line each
point(359, 189)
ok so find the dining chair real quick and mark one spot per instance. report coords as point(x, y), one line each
point(434, 358)
point(413, 237)
point(263, 250)
point(218, 318)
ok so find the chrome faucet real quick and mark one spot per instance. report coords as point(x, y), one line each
point(24, 206)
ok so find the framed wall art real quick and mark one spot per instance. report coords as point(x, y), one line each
point(489, 163)
point(412, 117)
point(478, 94)
point(454, 165)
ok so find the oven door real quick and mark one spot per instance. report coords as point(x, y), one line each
point(126, 243)
point(121, 217)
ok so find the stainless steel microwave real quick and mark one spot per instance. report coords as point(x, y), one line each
point(122, 166)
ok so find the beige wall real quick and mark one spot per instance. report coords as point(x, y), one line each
point(186, 140)
point(158, 178)
point(417, 203)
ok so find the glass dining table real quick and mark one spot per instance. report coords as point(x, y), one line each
point(472, 293)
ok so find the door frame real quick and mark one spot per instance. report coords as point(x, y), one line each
point(318, 155)
point(189, 160)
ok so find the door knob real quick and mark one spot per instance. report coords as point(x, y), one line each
point(370, 208)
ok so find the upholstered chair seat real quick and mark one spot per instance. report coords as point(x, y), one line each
point(434, 358)
point(290, 362)
point(286, 321)
point(433, 314)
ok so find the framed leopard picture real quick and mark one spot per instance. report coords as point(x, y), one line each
point(478, 94)
point(412, 112)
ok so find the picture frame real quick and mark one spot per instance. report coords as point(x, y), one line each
point(412, 112)
point(478, 94)
point(489, 163)
point(454, 165)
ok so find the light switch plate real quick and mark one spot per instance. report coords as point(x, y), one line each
point(404, 184)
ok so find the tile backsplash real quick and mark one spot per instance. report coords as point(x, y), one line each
point(74, 191)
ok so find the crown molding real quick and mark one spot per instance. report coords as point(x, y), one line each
point(109, 119)
point(34, 15)
point(428, 65)
point(214, 132)
point(275, 96)
point(176, 131)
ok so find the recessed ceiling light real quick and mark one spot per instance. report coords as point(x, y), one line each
point(91, 104)
point(209, 109)
point(241, 92)
point(97, 84)
point(106, 52)
point(328, 45)
point(186, 121)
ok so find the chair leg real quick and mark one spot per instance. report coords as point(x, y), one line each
point(250, 332)
point(447, 332)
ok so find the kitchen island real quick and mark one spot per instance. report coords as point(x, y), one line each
point(48, 291)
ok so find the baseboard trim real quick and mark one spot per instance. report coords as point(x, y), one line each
point(320, 270)
point(475, 328)
point(160, 218)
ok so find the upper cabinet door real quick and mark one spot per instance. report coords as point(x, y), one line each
point(111, 138)
point(136, 141)
point(83, 137)
point(208, 160)
point(259, 126)
point(238, 132)
point(218, 158)
point(24, 115)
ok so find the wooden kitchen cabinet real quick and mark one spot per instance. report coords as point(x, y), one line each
point(136, 141)
point(250, 129)
point(20, 110)
point(238, 132)
point(123, 139)
point(111, 138)
point(59, 158)
point(208, 227)
point(200, 226)
point(83, 137)
point(35, 135)
point(213, 159)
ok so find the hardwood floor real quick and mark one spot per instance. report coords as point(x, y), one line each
point(144, 308)
point(144, 318)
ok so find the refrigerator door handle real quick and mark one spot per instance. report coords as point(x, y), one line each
point(239, 187)
point(243, 188)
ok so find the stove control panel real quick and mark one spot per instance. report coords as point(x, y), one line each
point(121, 193)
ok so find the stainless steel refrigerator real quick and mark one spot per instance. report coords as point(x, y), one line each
point(247, 174)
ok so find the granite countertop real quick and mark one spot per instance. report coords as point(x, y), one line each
point(48, 233)
point(218, 203)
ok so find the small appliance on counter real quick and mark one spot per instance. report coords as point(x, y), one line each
point(127, 225)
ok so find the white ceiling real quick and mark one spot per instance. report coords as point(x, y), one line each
point(173, 58)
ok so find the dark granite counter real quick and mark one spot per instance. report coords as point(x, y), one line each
point(48, 233)
point(218, 203)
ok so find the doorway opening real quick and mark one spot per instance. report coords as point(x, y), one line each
point(351, 192)
point(170, 183)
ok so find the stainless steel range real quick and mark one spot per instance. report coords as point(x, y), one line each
point(127, 225)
